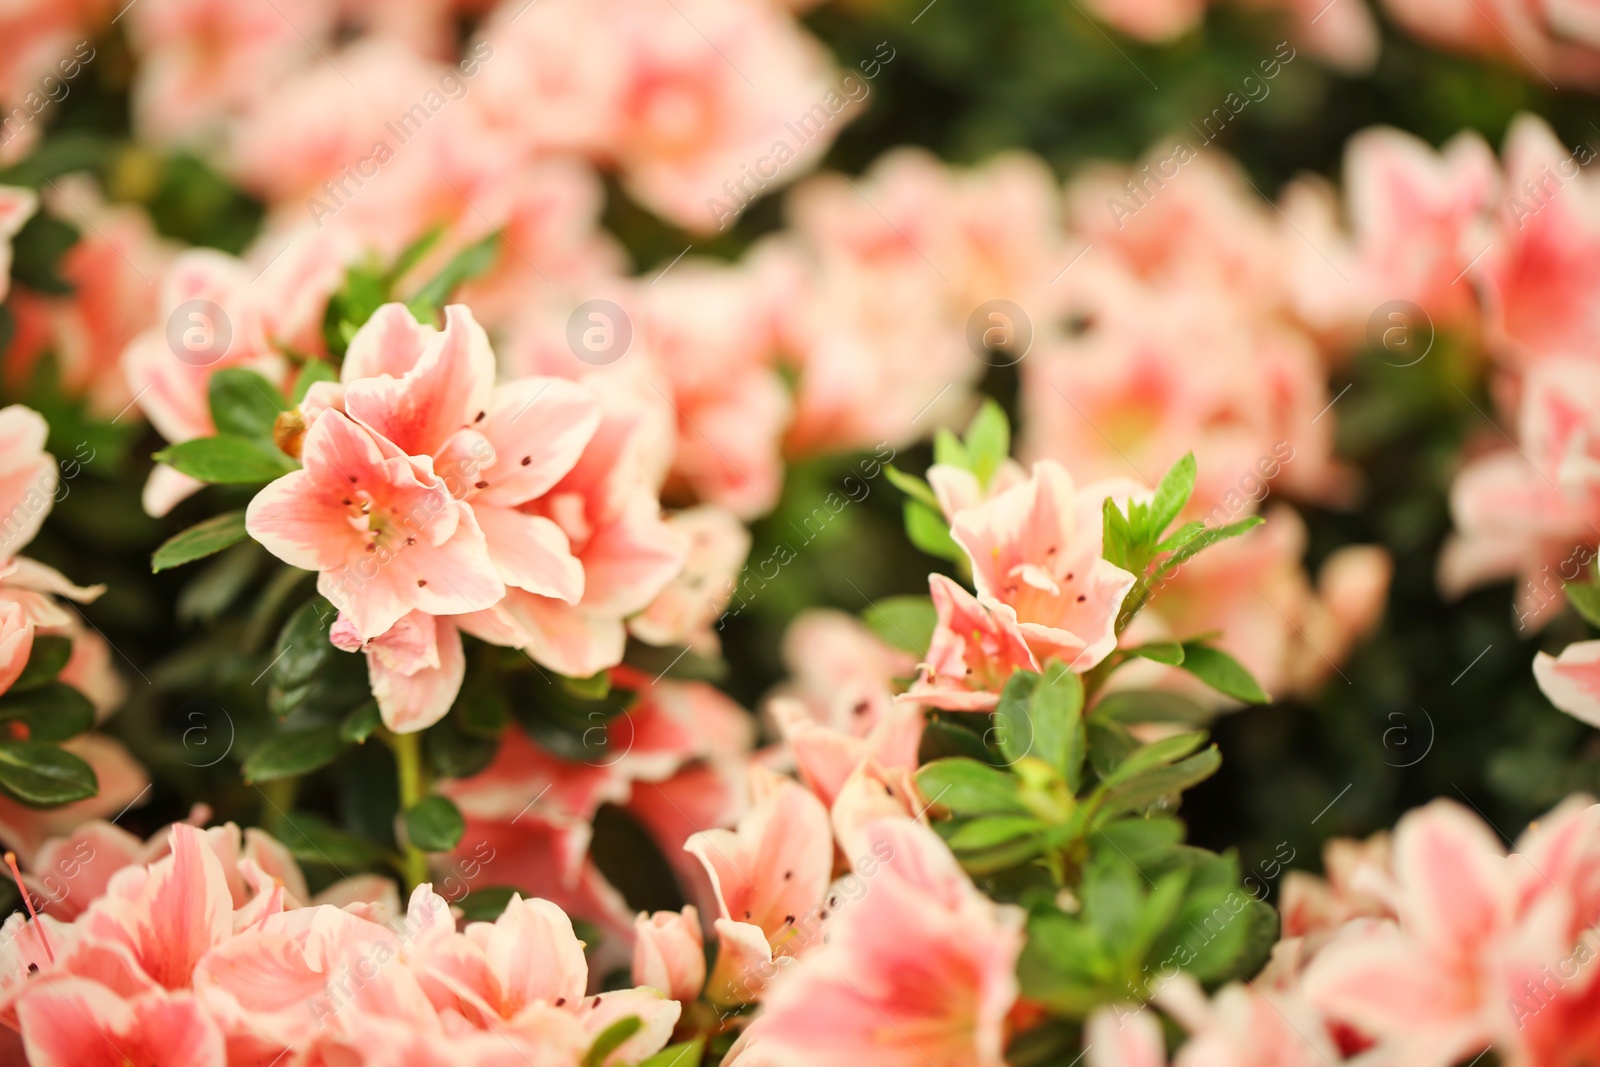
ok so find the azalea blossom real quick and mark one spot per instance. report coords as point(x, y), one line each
point(1035, 554)
point(918, 970)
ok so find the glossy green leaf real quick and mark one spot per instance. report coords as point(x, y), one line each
point(611, 1039)
point(244, 404)
point(43, 775)
point(968, 787)
point(1223, 673)
point(226, 460)
point(52, 711)
point(434, 824)
point(293, 753)
point(200, 540)
point(50, 653)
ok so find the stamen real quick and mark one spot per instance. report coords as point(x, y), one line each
point(27, 898)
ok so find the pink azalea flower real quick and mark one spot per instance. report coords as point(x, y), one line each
point(383, 533)
point(1035, 553)
point(27, 477)
point(611, 518)
point(1459, 968)
point(201, 59)
point(685, 611)
point(415, 667)
point(115, 269)
point(79, 1023)
point(973, 652)
point(669, 953)
point(918, 971)
point(842, 672)
point(1532, 511)
point(769, 873)
point(1544, 253)
point(1414, 213)
point(16, 206)
point(1571, 680)
point(714, 338)
point(668, 105)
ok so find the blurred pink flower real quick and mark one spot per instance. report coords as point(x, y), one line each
point(201, 60)
point(16, 207)
point(1531, 511)
point(688, 100)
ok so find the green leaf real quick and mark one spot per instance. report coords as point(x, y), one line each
point(1585, 600)
point(361, 723)
point(942, 739)
point(595, 687)
point(200, 540)
point(988, 440)
point(312, 372)
point(968, 787)
point(949, 451)
point(43, 775)
point(911, 486)
point(1156, 754)
point(225, 460)
point(686, 1054)
point(1141, 841)
point(1182, 536)
point(1177, 485)
point(469, 263)
point(1205, 539)
point(1110, 743)
point(434, 824)
point(930, 533)
point(412, 254)
point(1116, 537)
point(244, 403)
point(50, 653)
point(310, 839)
point(903, 622)
point(991, 830)
point(303, 647)
point(1223, 673)
point(487, 904)
point(1058, 732)
point(53, 711)
point(610, 1039)
point(296, 752)
point(1168, 652)
point(1065, 965)
point(1152, 785)
point(1151, 705)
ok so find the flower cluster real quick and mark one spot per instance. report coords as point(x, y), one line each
point(204, 947)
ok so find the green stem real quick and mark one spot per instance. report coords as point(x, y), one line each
point(413, 788)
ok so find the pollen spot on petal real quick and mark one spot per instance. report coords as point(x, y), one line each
point(526, 460)
point(481, 485)
point(481, 414)
point(352, 479)
point(1082, 597)
point(421, 582)
point(561, 1001)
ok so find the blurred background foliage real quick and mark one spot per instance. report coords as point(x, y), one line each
point(1440, 701)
